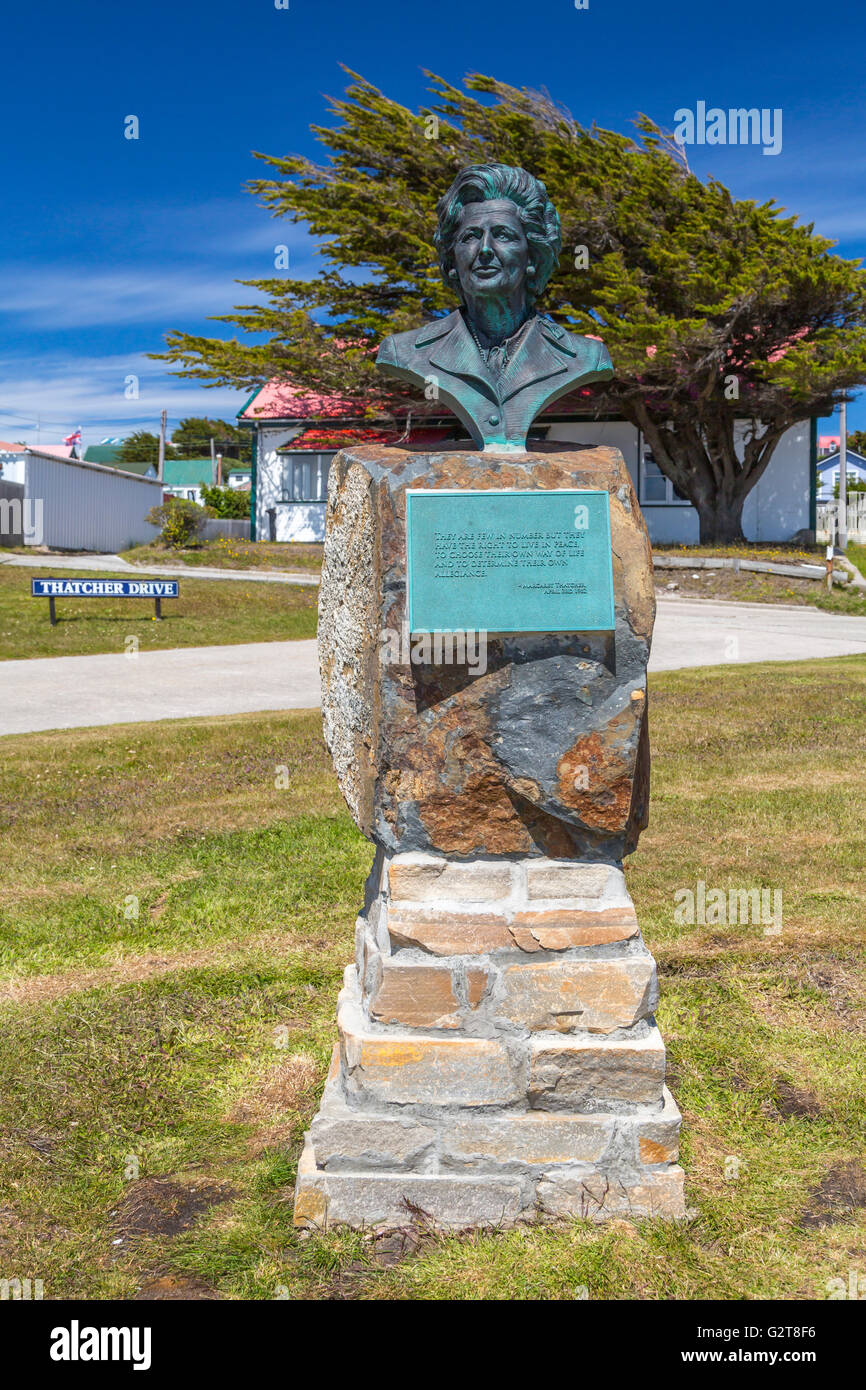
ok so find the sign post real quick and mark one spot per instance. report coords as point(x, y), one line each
point(54, 588)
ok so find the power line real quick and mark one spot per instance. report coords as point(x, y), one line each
point(31, 421)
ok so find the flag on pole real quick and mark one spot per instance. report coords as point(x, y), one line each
point(73, 438)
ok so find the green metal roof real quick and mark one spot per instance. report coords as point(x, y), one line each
point(108, 453)
point(138, 466)
point(187, 472)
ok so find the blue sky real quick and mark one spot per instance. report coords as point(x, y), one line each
point(107, 243)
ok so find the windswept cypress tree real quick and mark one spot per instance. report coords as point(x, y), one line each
point(714, 310)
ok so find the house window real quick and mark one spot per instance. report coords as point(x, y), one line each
point(305, 477)
point(654, 486)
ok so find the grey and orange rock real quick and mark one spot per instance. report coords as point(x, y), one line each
point(546, 752)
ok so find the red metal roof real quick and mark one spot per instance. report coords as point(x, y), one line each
point(279, 400)
point(58, 451)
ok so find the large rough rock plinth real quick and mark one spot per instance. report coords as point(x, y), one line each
point(543, 752)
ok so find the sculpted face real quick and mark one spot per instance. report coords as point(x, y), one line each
point(490, 250)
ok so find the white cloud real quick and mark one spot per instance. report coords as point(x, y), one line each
point(65, 297)
point(167, 291)
point(89, 392)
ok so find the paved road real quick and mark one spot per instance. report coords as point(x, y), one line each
point(70, 692)
point(707, 632)
point(114, 564)
point(74, 691)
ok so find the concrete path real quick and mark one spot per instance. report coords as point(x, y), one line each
point(70, 692)
point(708, 632)
point(73, 691)
point(116, 565)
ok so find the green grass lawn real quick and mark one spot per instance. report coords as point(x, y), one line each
point(172, 935)
point(857, 555)
point(207, 613)
point(782, 552)
point(727, 586)
point(234, 554)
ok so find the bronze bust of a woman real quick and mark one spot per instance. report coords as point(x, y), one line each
point(494, 361)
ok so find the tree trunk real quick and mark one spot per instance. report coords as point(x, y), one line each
point(721, 520)
point(700, 458)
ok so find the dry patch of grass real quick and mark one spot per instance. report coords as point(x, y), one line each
point(289, 557)
point(746, 586)
point(278, 1104)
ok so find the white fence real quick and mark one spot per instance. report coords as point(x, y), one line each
point(827, 519)
point(225, 528)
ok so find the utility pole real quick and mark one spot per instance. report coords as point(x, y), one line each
point(842, 523)
point(160, 466)
point(213, 476)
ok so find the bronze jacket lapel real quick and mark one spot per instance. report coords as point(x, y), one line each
point(457, 353)
point(538, 357)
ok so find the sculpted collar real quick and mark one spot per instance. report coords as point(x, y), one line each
point(542, 351)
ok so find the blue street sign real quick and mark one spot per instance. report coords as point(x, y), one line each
point(104, 588)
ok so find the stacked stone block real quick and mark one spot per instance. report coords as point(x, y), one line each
point(498, 1057)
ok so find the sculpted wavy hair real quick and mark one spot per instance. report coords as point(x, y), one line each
point(481, 183)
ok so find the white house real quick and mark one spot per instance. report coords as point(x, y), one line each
point(828, 472)
point(778, 506)
point(297, 433)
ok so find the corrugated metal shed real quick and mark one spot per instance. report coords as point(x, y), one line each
point(88, 506)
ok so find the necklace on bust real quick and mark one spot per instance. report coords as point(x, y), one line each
point(498, 355)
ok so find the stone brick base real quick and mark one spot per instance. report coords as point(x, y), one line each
point(498, 1058)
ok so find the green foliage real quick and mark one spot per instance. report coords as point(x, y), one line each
point(143, 447)
point(193, 435)
point(713, 309)
point(229, 502)
point(179, 520)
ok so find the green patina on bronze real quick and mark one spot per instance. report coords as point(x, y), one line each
point(494, 361)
